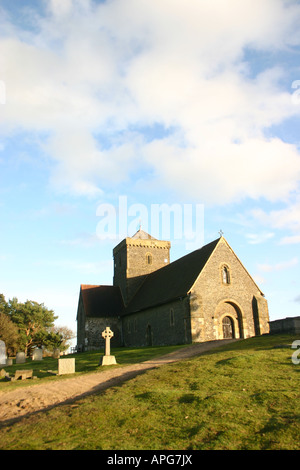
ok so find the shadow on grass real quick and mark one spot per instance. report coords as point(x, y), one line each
point(117, 381)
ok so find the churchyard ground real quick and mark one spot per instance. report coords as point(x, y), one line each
point(244, 395)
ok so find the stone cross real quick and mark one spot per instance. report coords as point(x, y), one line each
point(107, 360)
point(107, 334)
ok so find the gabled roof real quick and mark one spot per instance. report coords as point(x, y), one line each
point(172, 281)
point(101, 301)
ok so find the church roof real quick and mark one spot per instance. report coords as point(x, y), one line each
point(172, 281)
point(101, 301)
point(140, 234)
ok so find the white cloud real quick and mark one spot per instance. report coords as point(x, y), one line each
point(278, 266)
point(255, 239)
point(291, 240)
point(287, 218)
point(104, 69)
point(60, 7)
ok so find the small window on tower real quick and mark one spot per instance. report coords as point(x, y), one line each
point(148, 258)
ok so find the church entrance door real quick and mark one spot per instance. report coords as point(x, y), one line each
point(149, 336)
point(228, 328)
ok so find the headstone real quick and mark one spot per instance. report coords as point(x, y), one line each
point(107, 360)
point(66, 366)
point(20, 358)
point(21, 375)
point(9, 361)
point(2, 352)
point(37, 354)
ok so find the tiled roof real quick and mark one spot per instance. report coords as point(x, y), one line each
point(101, 301)
point(172, 281)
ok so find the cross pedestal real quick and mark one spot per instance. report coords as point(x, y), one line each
point(107, 360)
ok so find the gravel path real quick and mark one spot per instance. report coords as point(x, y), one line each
point(22, 402)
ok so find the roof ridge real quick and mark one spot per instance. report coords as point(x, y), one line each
point(141, 234)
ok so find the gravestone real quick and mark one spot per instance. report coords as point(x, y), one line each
point(9, 361)
point(37, 354)
point(66, 366)
point(2, 353)
point(21, 375)
point(20, 358)
point(107, 360)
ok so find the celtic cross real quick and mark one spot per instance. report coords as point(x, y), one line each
point(107, 334)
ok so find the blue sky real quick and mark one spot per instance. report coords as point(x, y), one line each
point(188, 103)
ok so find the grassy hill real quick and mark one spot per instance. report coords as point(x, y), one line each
point(241, 396)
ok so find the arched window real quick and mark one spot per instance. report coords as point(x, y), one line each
point(148, 258)
point(172, 320)
point(225, 275)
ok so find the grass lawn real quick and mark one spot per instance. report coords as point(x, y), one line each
point(241, 396)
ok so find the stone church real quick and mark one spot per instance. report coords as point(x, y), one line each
point(203, 296)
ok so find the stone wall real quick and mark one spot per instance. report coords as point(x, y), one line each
point(289, 325)
point(167, 324)
point(93, 332)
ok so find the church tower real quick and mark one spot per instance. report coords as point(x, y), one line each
point(136, 257)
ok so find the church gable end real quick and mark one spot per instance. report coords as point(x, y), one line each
point(225, 292)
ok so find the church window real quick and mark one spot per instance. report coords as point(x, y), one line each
point(225, 275)
point(148, 258)
point(172, 319)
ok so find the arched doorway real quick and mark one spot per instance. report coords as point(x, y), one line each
point(228, 320)
point(228, 328)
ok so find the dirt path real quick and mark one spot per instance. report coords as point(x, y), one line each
point(22, 402)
